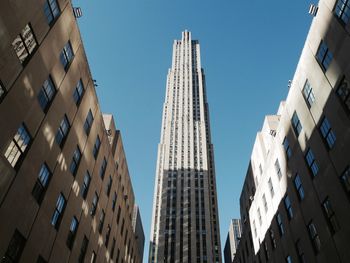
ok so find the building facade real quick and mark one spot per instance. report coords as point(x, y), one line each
point(295, 199)
point(65, 190)
point(185, 225)
point(232, 240)
point(138, 230)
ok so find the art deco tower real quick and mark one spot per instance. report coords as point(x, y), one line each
point(185, 225)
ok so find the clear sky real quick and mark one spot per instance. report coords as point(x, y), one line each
point(249, 51)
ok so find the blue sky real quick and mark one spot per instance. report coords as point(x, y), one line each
point(249, 51)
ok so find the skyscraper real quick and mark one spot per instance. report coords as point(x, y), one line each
point(185, 226)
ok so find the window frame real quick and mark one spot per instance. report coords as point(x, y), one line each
point(287, 148)
point(330, 216)
point(96, 147)
point(308, 94)
point(296, 124)
point(311, 162)
point(48, 7)
point(89, 120)
point(43, 94)
point(22, 40)
point(314, 237)
point(67, 56)
point(42, 183)
point(288, 206)
point(15, 247)
point(72, 232)
point(78, 92)
point(3, 91)
point(59, 211)
point(74, 165)
point(85, 186)
point(298, 184)
point(327, 133)
point(325, 59)
point(61, 135)
point(339, 15)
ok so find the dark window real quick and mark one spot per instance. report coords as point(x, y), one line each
point(86, 184)
point(114, 201)
point(342, 10)
point(324, 56)
point(15, 248)
point(51, 10)
point(343, 92)
point(41, 259)
point(101, 221)
point(88, 122)
point(327, 133)
point(72, 232)
point(299, 187)
point(288, 206)
point(296, 124)
point(18, 146)
point(265, 203)
point(315, 239)
point(78, 92)
point(287, 148)
point(273, 239)
point(46, 94)
point(96, 148)
point(308, 94)
point(62, 131)
point(330, 215)
point(113, 247)
point(3, 92)
point(59, 210)
point(109, 186)
point(311, 162)
point(75, 161)
point(83, 250)
point(108, 233)
point(272, 192)
point(66, 55)
point(94, 204)
point(25, 44)
point(278, 169)
point(345, 180)
point(122, 228)
point(289, 259)
point(41, 183)
point(280, 224)
point(103, 168)
point(300, 251)
point(118, 214)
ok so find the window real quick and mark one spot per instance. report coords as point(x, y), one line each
point(342, 10)
point(78, 92)
point(272, 192)
point(41, 260)
point(299, 187)
point(2, 91)
point(66, 56)
point(330, 215)
point(51, 10)
point(96, 148)
point(343, 92)
point(57, 215)
point(86, 184)
point(101, 221)
point(18, 146)
point(296, 124)
point(327, 133)
point(103, 168)
point(308, 94)
point(287, 148)
point(72, 232)
point(280, 224)
point(300, 251)
point(118, 214)
point(62, 131)
point(94, 204)
point(289, 259)
point(113, 247)
point(278, 169)
point(15, 248)
point(265, 202)
point(109, 186)
point(324, 56)
point(83, 249)
point(75, 161)
point(254, 228)
point(25, 44)
point(315, 239)
point(41, 184)
point(114, 201)
point(288, 206)
point(259, 216)
point(88, 122)
point(345, 180)
point(122, 228)
point(108, 233)
point(273, 239)
point(46, 94)
point(310, 160)
point(93, 257)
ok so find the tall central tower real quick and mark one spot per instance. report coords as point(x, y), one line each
point(185, 225)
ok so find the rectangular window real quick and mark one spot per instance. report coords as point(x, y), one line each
point(296, 124)
point(278, 169)
point(96, 148)
point(343, 92)
point(75, 161)
point(324, 56)
point(103, 168)
point(265, 202)
point(113, 247)
point(273, 239)
point(280, 224)
point(101, 221)
point(289, 259)
point(88, 122)
point(300, 251)
point(272, 192)
point(62, 131)
point(41, 260)
point(72, 232)
point(18, 146)
point(15, 248)
point(46, 94)
point(114, 201)
point(327, 133)
point(42, 183)
point(299, 187)
point(109, 186)
point(287, 148)
point(108, 233)
point(345, 180)
point(311, 162)
point(83, 249)
point(288, 206)
point(51, 10)
point(2, 91)
point(122, 228)
point(66, 55)
point(25, 44)
point(86, 184)
point(78, 92)
point(315, 239)
point(342, 10)
point(259, 216)
point(118, 215)
point(94, 204)
point(308, 94)
point(59, 210)
point(330, 215)
point(254, 228)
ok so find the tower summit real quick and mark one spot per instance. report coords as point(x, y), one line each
point(185, 225)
